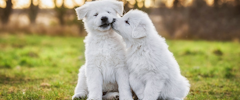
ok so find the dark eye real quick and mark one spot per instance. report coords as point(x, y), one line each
point(96, 14)
point(108, 12)
point(127, 22)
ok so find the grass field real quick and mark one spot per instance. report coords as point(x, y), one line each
point(43, 67)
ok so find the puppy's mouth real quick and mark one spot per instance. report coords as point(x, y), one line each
point(105, 25)
point(114, 20)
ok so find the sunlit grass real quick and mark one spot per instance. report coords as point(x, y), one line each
point(43, 67)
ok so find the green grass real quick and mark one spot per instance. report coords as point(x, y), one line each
point(44, 67)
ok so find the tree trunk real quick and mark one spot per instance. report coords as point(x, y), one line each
point(176, 3)
point(7, 12)
point(33, 11)
point(61, 11)
point(216, 3)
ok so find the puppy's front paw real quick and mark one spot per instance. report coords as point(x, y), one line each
point(78, 96)
point(111, 96)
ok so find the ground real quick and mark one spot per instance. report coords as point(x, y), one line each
point(44, 67)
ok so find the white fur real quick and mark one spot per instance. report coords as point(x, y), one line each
point(105, 69)
point(154, 72)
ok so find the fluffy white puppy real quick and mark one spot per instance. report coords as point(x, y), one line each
point(105, 69)
point(154, 72)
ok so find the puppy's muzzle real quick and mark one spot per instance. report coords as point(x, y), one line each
point(114, 20)
point(105, 22)
point(104, 19)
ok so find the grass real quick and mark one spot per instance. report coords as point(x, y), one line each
point(44, 67)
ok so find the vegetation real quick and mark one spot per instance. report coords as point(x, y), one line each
point(44, 67)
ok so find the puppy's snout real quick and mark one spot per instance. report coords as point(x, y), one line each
point(104, 19)
point(114, 19)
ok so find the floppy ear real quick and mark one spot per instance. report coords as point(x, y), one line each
point(139, 31)
point(81, 11)
point(118, 7)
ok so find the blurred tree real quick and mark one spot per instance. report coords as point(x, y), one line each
point(126, 6)
point(136, 5)
point(32, 12)
point(140, 4)
point(144, 8)
point(61, 11)
point(199, 3)
point(78, 22)
point(176, 3)
point(237, 2)
point(6, 12)
point(216, 3)
point(1, 13)
point(162, 5)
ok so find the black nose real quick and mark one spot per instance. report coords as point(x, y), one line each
point(104, 19)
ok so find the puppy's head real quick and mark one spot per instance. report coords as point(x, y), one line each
point(98, 15)
point(133, 25)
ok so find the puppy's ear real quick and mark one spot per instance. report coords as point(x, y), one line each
point(81, 11)
point(139, 31)
point(118, 7)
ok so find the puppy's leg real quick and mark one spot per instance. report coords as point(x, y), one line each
point(137, 86)
point(94, 83)
point(123, 84)
point(152, 89)
point(81, 88)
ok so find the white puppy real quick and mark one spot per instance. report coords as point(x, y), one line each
point(154, 72)
point(105, 69)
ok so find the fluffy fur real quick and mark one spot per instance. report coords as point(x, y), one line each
point(154, 72)
point(105, 69)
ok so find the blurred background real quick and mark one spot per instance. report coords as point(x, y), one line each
point(41, 46)
point(174, 19)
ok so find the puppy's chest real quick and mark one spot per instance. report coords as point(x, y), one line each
point(104, 48)
point(108, 74)
point(104, 54)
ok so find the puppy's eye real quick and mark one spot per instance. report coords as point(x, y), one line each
point(96, 14)
point(127, 22)
point(108, 12)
